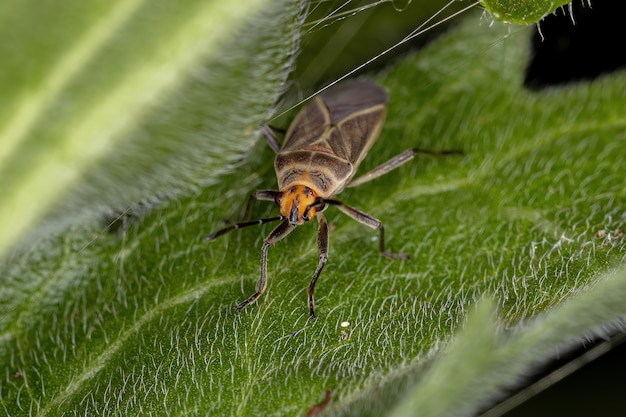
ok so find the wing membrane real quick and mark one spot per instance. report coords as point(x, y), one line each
point(344, 120)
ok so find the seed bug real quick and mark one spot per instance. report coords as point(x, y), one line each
point(320, 154)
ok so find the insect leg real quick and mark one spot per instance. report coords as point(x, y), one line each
point(322, 249)
point(236, 226)
point(261, 195)
point(395, 162)
point(258, 195)
point(282, 230)
point(271, 138)
point(370, 221)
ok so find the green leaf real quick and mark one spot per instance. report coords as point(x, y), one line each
point(480, 360)
point(143, 323)
point(107, 103)
point(521, 11)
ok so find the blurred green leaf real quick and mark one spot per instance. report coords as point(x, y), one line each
point(106, 104)
point(480, 359)
point(530, 218)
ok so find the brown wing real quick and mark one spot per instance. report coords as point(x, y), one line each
point(344, 121)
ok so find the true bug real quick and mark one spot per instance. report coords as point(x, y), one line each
point(320, 154)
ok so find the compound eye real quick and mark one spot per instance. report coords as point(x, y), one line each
point(312, 209)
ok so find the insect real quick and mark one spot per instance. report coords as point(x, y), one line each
point(320, 154)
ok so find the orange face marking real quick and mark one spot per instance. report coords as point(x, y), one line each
point(297, 203)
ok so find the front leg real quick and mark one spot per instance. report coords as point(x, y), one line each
point(322, 250)
point(282, 230)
